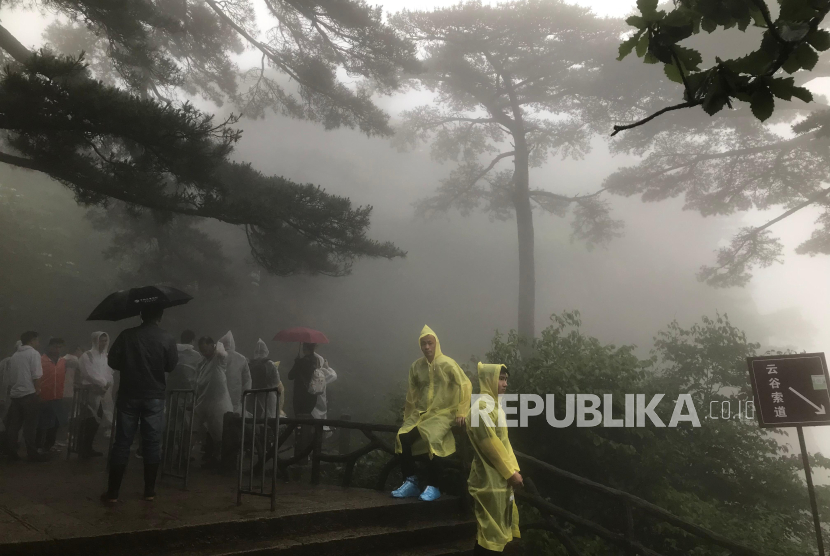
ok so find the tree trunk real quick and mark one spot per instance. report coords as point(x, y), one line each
point(524, 224)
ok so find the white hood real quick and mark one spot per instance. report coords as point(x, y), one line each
point(261, 351)
point(227, 341)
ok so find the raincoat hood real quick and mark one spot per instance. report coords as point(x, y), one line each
point(261, 350)
point(488, 379)
point(227, 341)
point(95, 337)
point(427, 331)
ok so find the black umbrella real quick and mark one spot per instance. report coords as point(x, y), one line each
point(129, 303)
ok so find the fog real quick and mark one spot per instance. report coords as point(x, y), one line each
point(460, 275)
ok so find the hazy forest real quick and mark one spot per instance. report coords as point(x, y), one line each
point(491, 169)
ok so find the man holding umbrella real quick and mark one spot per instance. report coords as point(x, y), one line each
point(143, 355)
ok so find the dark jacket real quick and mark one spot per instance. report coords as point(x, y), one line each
point(301, 373)
point(143, 355)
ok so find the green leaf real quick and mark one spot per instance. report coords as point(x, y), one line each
point(637, 21)
point(715, 98)
point(762, 103)
point(647, 7)
point(819, 39)
point(650, 58)
point(660, 51)
point(782, 87)
point(754, 63)
point(792, 64)
point(642, 45)
point(708, 25)
point(691, 58)
point(696, 80)
point(796, 10)
point(628, 45)
point(792, 32)
point(672, 73)
point(807, 57)
point(757, 17)
point(802, 94)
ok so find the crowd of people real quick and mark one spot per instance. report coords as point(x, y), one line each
point(149, 364)
point(37, 391)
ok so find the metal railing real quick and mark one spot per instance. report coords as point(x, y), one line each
point(626, 502)
point(259, 423)
point(80, 400)
point(178, 434)
point(313, 449)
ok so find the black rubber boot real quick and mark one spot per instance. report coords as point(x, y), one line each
point(151, 472)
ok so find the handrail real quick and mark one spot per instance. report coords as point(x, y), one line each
point(257, 421)
point(178, 433)
point(626, 539)
point(350, 459)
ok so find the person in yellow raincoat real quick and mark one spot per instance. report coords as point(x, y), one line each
point(437, 398)
point(495, 471)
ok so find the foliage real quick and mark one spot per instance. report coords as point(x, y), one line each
point(107, 144)
point(524, 69)
point(164, 47)
point(727, 475)
point(518, 82)
point(158, 248)
point(111, 126)
point(789, 43)
point(733, 163)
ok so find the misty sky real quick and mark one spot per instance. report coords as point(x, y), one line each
point(461, 274)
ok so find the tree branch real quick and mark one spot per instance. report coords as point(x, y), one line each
point(689, 104)
point(14, 47)
point(558, 197)
point(764, 9)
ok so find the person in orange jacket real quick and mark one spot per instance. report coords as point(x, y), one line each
point(52, 410)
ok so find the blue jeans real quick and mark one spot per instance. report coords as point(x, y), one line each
point(149, 415)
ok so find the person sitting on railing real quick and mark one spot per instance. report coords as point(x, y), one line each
point(437, 398)
point(495, 471)
point(212, 397)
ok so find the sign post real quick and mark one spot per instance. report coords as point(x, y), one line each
point(791, 391)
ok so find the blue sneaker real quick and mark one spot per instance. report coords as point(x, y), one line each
point(430, 494)
point(409, 489)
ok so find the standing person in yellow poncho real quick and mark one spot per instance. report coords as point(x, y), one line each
point(437, 398)
point(495, 471)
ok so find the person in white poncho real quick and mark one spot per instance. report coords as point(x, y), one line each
point(212, 398)
point(96, 375)
point(265, 374)
point(237, 372)
point(323, 376)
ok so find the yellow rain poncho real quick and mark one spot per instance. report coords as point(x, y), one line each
point(438, 393)
point(493, 464)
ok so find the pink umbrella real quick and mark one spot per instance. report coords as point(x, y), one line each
point(301, 334)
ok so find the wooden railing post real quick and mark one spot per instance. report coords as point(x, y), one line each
point(345, 436)
point(628, 528)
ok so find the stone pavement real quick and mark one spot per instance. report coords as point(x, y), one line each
point(60, 500)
